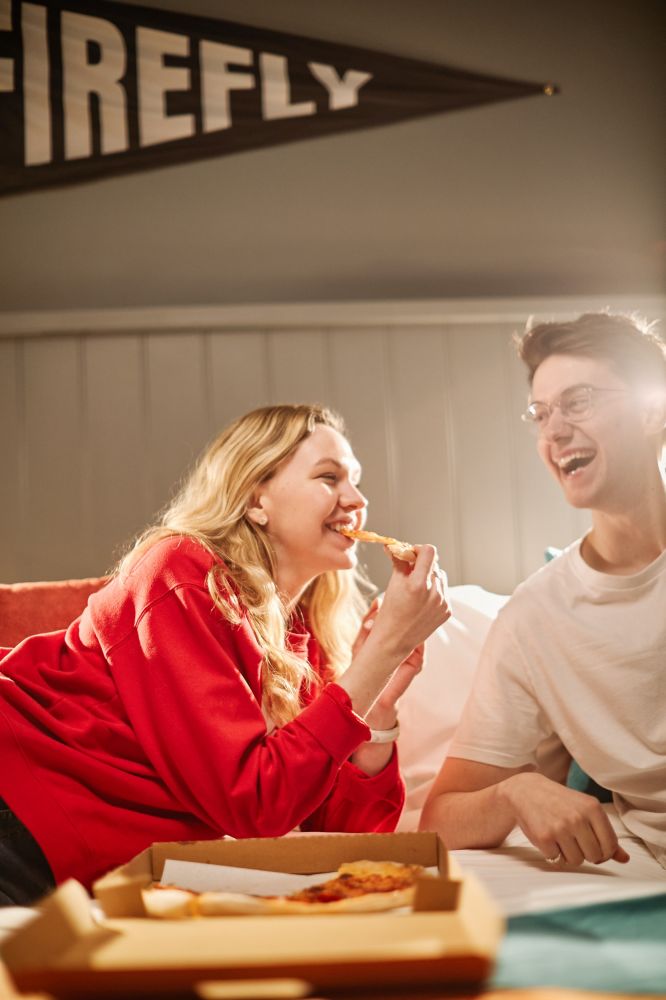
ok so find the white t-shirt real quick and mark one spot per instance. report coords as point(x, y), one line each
point(582, 655)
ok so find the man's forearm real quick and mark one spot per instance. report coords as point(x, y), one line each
point(480, 818)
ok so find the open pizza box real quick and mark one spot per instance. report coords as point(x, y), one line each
point(450, 935)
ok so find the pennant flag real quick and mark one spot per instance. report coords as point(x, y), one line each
point(89, 88)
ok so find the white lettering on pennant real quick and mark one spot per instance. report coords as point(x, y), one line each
point(223, 69)
point(36, 107)
point(81, 79)
point(342, 91)
point(276, 90)
point(217, 81)
point(155, 80)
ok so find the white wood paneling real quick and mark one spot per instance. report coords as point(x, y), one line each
point(298, 367)
point(118, 462)
point(177, 401)
point(103, 413)
point(12, 454)
point(484, 472)
point(424, 471)
point(360, 392)
point(238, 374)
point(54, 523)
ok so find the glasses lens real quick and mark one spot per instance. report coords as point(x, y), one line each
point(576, 403)
point(536, 414)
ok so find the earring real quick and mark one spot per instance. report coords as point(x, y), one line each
point(262, 520)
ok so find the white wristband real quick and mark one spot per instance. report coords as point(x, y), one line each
point(384, 735)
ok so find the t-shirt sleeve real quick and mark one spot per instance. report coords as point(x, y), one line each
point(502, 723)
point(186, 689)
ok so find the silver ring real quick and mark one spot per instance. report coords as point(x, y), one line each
point(554, 861)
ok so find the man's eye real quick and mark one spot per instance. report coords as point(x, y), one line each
point(576, 403)
point(330, 476)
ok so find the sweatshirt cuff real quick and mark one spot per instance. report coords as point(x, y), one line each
point(332, 721)
point(387, 784)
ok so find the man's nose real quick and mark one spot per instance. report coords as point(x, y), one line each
point(556, 425)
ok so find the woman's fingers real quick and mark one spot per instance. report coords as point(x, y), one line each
point(426, 560)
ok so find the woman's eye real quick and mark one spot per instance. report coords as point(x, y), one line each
point(331, 476)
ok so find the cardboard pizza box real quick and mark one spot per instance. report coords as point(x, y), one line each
point(450, 936)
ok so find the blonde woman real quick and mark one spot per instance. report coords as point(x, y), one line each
point(216, 685)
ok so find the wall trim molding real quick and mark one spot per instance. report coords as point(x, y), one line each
point(295, 316)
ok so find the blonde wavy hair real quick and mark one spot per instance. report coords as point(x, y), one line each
point(211, 507)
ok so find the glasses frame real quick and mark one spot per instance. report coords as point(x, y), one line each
point(530, 418)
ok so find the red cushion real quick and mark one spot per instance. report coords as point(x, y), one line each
point(29, 608)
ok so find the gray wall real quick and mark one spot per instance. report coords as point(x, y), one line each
point(103, 412)
point(538, 196)
point(121, 353)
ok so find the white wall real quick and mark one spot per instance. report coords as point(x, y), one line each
point(102, 412)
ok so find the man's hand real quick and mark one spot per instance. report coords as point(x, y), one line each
point(568, 827)
point(477, 805)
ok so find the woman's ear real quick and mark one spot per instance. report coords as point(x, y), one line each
point(258, 515)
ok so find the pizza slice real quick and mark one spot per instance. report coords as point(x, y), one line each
point(358, 887)
point(401, 550)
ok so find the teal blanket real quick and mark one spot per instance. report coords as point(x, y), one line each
point(617, 946)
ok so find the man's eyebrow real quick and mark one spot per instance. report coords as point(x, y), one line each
point(568, 388)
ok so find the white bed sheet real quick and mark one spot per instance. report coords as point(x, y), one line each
point(520, 881)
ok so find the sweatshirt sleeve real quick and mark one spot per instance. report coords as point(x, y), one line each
point(361, 803)
point(189, 683)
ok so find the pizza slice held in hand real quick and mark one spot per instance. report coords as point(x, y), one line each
point(401, 550)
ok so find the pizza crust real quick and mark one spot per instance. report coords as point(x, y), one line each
point(401, 550)
point(169, 903)
point(216, 904)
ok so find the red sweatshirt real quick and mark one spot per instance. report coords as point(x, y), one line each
point(143, 722)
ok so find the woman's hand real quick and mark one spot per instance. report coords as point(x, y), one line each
point(383, 714)
point(386, 655)
point(414, 603)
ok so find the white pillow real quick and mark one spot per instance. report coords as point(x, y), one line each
point(432, 705)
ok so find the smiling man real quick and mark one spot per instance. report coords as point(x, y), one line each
point(579, 652)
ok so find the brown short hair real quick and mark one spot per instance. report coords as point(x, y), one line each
point(628, 343)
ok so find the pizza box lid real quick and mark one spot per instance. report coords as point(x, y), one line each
point(451, 936)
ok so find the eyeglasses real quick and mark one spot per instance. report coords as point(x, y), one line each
point(575, 404)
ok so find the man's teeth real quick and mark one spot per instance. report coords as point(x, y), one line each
point(573, 461)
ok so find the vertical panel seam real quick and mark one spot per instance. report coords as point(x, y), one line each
point(143, 344)
point(451, 458)
point(392, 463)
point(327, 356)
point(514, 492)
point(22, 445)
point(85, 449)
point(206, 354)
point(269, 345)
